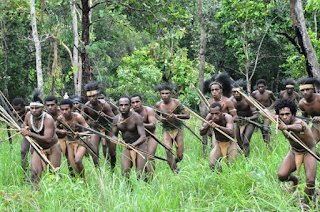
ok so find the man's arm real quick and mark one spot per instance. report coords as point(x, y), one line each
point(115, 129)
point(228, 129)
point(140, 128)
point(151, 125)
point(205, 126)
point(48, 134)
point(272, 99)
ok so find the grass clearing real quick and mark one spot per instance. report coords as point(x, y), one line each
point(249, 184)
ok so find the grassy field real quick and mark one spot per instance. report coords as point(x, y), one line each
point(250, 184)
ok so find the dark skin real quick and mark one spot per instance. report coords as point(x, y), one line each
point(225, 123)
point(53, 109)
point(289, 93)
point(149, 121)
point(130, 124)
point(170, 105)
point(247, 111)
point(21, 111)
point(288, 166)
point(105, 112)
point(267, 99)
point(70, 119)
point(47, 140)
point(309, 105)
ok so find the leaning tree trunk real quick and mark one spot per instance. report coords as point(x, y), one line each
point(86, 70)
point(77, 75)
point(203, 44)
point(37, 46)
point(297, 16)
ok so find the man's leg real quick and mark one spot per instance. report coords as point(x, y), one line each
point(266, 131)
point(140, 161)
point(152, 147)
point(126, 163)
point(71, 158)
point(95, 140)
point(81, 151)
point(168, 142)
point(246, 139)
point(55, 155)
point(215, 154)
point(232, 152)
point(180, 147)
point(112, 152)
point(25, 147)
point(310, 167)
point(286, 168)
point(36, 168)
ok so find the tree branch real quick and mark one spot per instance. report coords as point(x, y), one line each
point(292, 40)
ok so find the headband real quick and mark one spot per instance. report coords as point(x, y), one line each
point(306, 86)
point(92, 93)
point(289, 86)
point(36, 104)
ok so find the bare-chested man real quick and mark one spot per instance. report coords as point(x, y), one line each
point(289, 92)
point(310, 103)
point(267, 99)
point(53, 109)
point(20, 111)
point(99, 118)
point(172, 125)
point(68, 120)
point(220, 88)
point(130, 124)
point(247, 114)
point(286, 109)
point(40, 126)
point(223, 121)
point(149, 121)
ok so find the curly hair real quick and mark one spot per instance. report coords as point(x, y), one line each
point(288, 82)
point(164, 86)
point(36, 97)
point(282, 103)
point(18, 101)
point(94, 85)
point(261, 81)
point(224, 82)
point(313, 81)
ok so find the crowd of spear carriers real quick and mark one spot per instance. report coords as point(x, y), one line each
point(74, 128)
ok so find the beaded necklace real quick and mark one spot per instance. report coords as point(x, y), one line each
point(33, 124)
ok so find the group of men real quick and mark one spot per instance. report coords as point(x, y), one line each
point(230, 122)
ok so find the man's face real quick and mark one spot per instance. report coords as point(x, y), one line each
point(216, 91)
point(52, 107)
point(36, 111)
point(285, 115)
point(66, 110)
point(306, 92)
point(136, 103)
point(289, 90)
point(20, 110)
point(216, 114)
point(261, 87)
point(165, 95)
point(124, 106)
point(236, 95)
point(93, 99)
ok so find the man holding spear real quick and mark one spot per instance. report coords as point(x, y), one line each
point(247, 115)
point(40, 126)
point(224, 122)
point(310, 103)
point(286, 110)
point(99, 118)
point(130, 124)
point(171, 122)
point(149, 121)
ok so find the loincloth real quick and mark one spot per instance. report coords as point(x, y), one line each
point(224, 146)
point(173, 133)
point(46, 152)
point(103, 132)
point(242, 129)
point(298, 158)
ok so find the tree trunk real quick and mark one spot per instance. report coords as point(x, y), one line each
point(203, 44)
point(5, 55)
point(37, 46)
point(297, 16)
point(77, 80)
point(54, 63)
point(86, 70)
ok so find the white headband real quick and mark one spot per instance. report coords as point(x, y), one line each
point(37, 104)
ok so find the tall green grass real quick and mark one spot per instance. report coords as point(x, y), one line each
point(249, 184)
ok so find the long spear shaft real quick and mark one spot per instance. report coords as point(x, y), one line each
point(139, 151)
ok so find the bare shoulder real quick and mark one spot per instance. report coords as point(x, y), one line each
point(116, 119)
point(228, 117)
point(158, 104)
